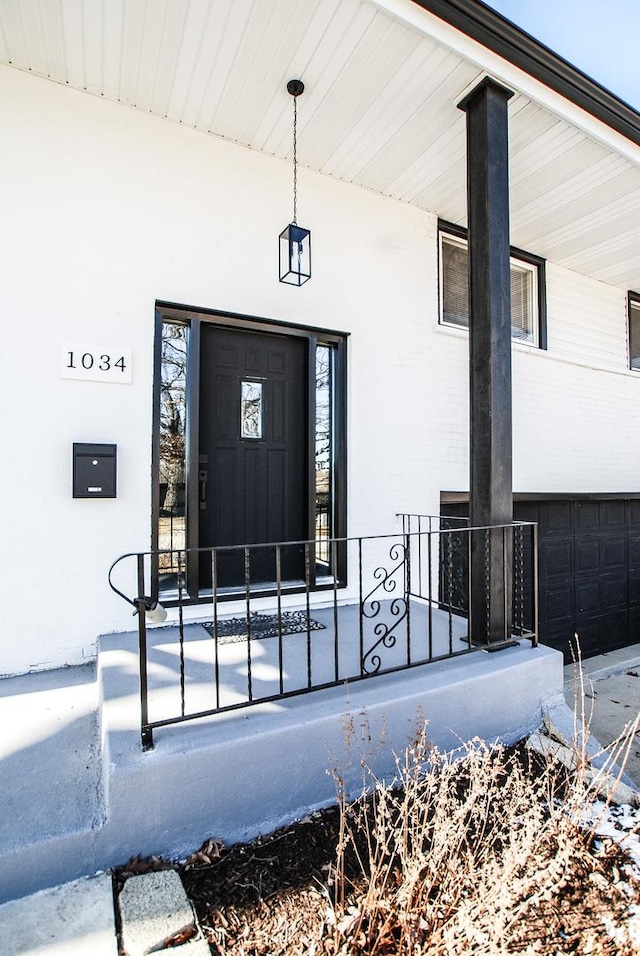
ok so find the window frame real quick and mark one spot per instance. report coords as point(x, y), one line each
point(633, 302)
point(518, 257)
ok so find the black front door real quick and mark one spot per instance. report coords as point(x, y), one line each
point(252, 453)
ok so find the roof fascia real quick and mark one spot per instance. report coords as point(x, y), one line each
point(481, 23)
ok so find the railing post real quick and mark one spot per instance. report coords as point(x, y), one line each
point(407, 592)
point(360, 608)
point(534, 582)
point(307, 586)
point(279, 612)
point(146, 732)
point(214, 596)
point(336, 653)
point(429, 588)
point(181, 631)
point(247, 586)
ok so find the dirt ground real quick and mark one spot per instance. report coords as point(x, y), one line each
point(315, 887)
point(273, 896)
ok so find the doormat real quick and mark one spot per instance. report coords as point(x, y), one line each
point(262, 625)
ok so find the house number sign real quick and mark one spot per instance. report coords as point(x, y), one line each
point(95, 363)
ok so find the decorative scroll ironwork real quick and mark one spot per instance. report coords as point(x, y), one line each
point(371, 607)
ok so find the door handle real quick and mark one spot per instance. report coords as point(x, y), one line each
point(202, 477)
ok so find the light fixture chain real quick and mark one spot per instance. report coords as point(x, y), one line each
point(295, 161)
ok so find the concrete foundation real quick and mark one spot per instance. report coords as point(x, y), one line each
point(247, 772)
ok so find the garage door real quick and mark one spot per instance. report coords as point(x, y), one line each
point(589, 567)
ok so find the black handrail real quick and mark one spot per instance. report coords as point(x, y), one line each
point(411, 598)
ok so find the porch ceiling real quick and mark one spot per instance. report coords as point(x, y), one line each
point(379, 108)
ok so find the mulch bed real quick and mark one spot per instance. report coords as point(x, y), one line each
point(275, 897)
point(270, 897)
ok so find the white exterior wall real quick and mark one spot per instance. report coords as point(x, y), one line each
point(106, 210)
point(577, 405)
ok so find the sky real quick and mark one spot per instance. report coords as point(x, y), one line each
point(597, 36)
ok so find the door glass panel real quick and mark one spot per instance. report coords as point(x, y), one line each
point(173, 415)
point(323, 456)
point(251, 410)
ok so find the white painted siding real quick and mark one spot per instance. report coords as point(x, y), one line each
point(106, 209)
point(577, 406)
point(576, 428)
point(587, 320)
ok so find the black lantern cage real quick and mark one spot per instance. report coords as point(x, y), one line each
point(295, 255)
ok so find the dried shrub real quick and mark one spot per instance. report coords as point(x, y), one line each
point(475, 853)
point(486, 851)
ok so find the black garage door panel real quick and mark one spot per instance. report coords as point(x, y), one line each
point(634, 588)
point(554, 518)
point(558, 558)
point(557, 600)
point(589, 570)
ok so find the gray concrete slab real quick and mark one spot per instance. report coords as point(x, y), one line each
point(607, 698)
point(50, 768)
point(51, 793)
point(76, 919)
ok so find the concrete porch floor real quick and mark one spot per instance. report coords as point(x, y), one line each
point(329, 654)
point(79, 795)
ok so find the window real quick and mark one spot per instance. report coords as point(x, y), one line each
point(527, 288)
point(634, 330)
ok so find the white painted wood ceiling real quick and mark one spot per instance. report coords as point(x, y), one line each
point(378, 110)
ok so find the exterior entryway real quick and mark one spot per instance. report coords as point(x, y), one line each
point(589, 569)
point(252, 451)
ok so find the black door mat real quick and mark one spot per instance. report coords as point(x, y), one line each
point(262, 625)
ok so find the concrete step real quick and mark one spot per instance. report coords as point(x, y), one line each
point(121, 801)
point(75, 919)
point(52, 800)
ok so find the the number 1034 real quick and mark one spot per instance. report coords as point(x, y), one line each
point(102, 363)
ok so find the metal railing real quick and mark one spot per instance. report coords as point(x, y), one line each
point(451, 587)
point(406, 605)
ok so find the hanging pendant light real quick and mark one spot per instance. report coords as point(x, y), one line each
point(295, 242)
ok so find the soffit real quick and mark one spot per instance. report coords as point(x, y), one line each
point(379, 109)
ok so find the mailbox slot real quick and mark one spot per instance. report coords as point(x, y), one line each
point(94, 470)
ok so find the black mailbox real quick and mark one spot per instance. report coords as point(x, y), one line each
point(94, 470)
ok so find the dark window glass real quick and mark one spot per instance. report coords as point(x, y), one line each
point(173, 420)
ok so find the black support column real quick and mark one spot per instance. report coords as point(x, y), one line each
point(490, 359)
